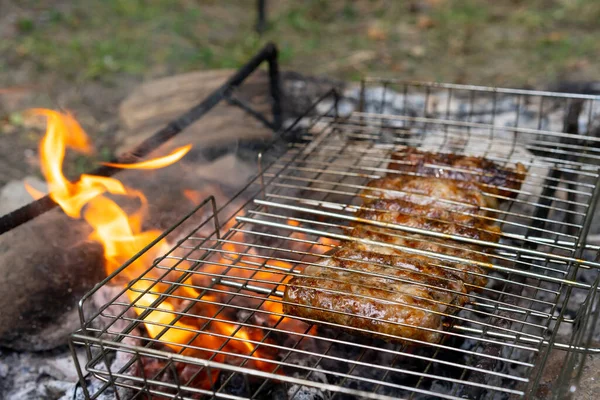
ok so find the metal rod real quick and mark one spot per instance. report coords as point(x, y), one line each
point(477, 88)
point(164, 355)
point(261, 18)
point(445, 167)
point(275, 87)
point(465, 205)
point(280, 293)
point(292, 253)
point(247, 108)
point(418, 231)
point(547, 165)
point(512, 336)
point(355, 120)
point(440, 265)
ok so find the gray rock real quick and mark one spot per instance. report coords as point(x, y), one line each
point(46, 266)
point(14, 195)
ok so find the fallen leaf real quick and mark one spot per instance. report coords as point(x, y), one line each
point(376, 32)
point(554, 37)
point(425, 22)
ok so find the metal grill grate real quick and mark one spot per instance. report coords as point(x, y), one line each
point(226, 283)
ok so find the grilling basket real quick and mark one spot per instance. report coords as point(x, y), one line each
point(205, 309)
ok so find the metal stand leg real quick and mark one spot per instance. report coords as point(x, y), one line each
point(261, 20)
point(275, 87)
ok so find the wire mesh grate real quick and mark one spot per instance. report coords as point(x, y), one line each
point(215, 324)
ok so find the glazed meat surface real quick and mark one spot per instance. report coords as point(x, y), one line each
point(409, 268)
point(491, 177)
point(433, 192)
point(401, 213)
point(438, 213)
point(470, 273)
point(332, 293)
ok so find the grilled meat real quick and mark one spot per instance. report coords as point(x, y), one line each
point(401, 213)
point(452, 195)
point(408, 268)
point(467, 272)
point(375, 282)
point(438, 213)
point(488, 175)
point(331, 293)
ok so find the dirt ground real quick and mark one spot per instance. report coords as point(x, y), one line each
point(86, 56)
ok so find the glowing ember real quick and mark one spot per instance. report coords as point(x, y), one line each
point(193, 195)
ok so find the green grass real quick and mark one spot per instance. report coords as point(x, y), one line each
point(507, 42)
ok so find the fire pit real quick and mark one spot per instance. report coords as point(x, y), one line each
point(199, 311)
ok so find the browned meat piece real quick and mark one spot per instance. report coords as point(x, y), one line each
point(434, 192)
point(464, 271)
point(375, 283)
point(491, 177)
point(331, 293)
point(404, 213)
point(406, 207)
point(410, 268)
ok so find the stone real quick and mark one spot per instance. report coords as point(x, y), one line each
point(588, 386)
point(154, 103)
point(46, 266)
point(14, 195)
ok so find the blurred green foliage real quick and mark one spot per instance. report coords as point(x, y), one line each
point(513, 42)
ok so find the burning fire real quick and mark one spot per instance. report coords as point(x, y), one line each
point(122, 236)
point(205, 330)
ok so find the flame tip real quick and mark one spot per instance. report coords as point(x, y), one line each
point(155, 163)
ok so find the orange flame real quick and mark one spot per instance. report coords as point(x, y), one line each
point(33, 192)
point(156, 320)
point(62, 132)
point(155, 163)
point(122, 237)
point(194, 196)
